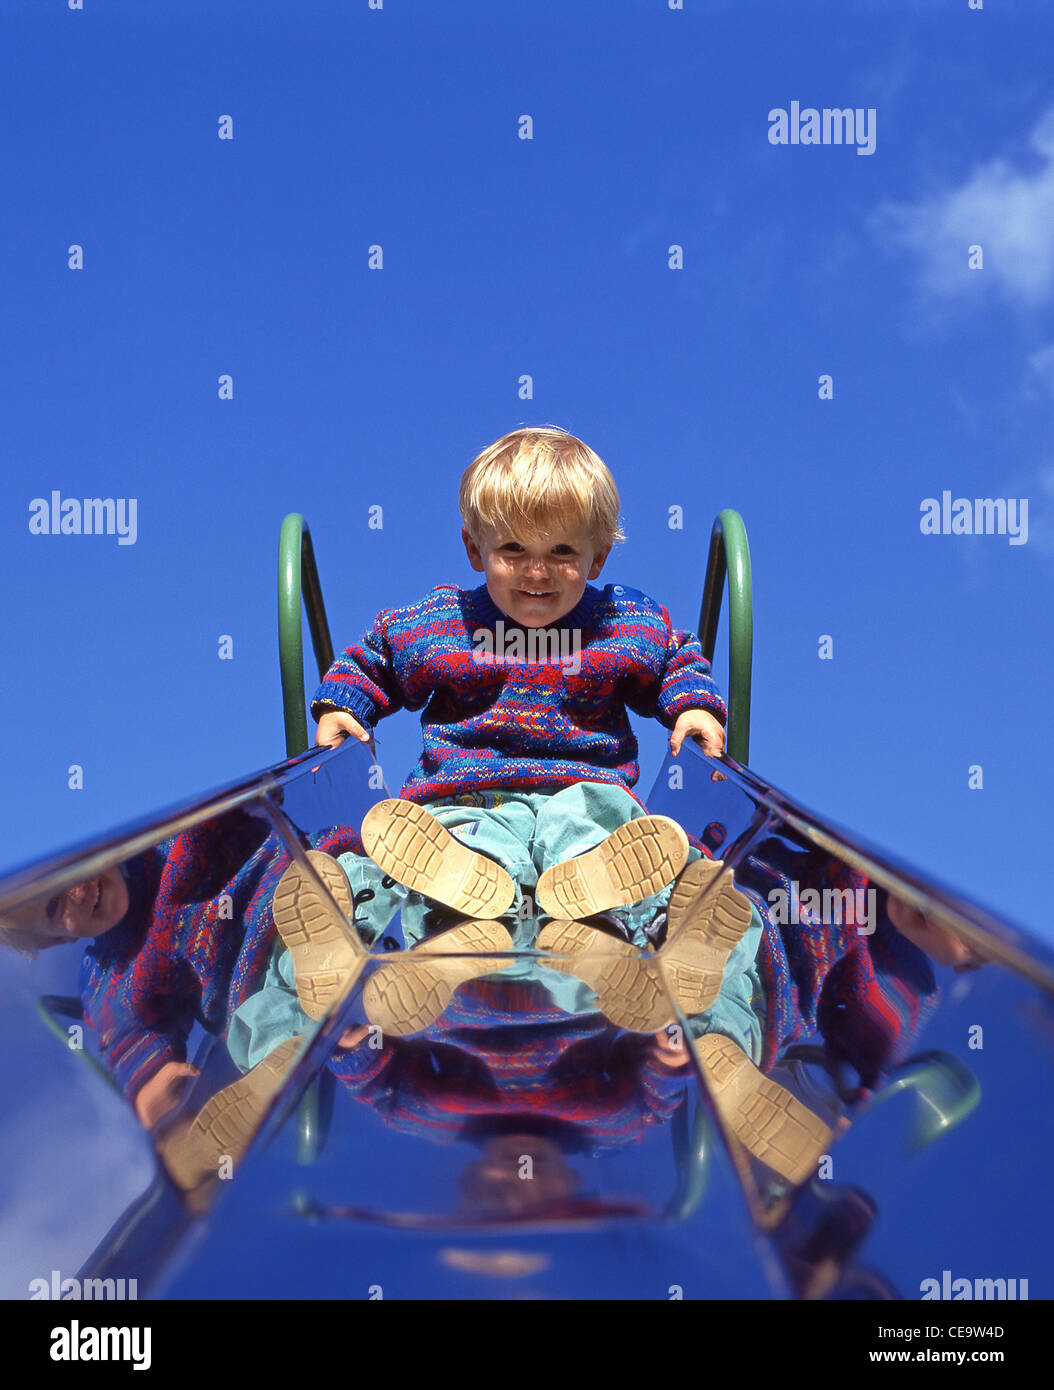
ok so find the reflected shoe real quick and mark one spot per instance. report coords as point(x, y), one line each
point(636, 860)
point(225, 1126)
point(707, 917)
point(325, 960)
point(409, 991)
point(767, 1120)
point(407, 841)
point(627, 985)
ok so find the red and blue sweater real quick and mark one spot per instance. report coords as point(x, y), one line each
point(194, 943)
point(500, 708)
point(503, 1048)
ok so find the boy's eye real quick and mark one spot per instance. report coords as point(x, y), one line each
point(52, 907)
point(515, 547)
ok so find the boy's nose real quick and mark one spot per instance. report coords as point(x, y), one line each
point(78, 895)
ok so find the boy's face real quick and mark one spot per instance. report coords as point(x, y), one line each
point(536, 582)
point(87, 909)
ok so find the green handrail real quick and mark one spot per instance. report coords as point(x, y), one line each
point(948, 1092)
point(298, 583)
point(729, 553)
point(52, 1008)
point(298, 576)
point(693, 1139)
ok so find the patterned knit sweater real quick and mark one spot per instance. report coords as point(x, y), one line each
point(505, 706)
point(867, 996)
point(502, 1049)
point(194, 943)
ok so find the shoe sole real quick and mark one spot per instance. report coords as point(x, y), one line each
point(408, 843)
point(768, 1121)
point(226, 1124)
point(411, 990)
point(707, 917)
point(627, 985)
point(635, 861)
point(324, 959)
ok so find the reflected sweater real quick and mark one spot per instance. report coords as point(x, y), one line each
point(194, 943)
point(502, 1048)
point(506, 706)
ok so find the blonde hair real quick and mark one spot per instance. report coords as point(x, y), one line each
point(23, 928)
point(19, 938)
point(538, 480)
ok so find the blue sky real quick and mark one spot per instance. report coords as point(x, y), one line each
point(547, 257)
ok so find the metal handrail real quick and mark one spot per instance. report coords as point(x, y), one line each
point(997, 939)
point(298, 577)
point(89, 858)
point(299, 586)
point(52, 1009)
point(730, 554)
point(948, 1090)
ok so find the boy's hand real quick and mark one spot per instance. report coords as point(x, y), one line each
point(703, 727)
point(335, 726)
point(936, 941)
point(162, 1093)
point(351, 1037)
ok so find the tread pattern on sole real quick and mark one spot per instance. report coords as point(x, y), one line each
point(408, 992)
point(628, 986)
point(227, 1123)
point(325, 959)
point(417, 850)
point(637, 860)
point(766, 1118)
point(707, 917)
point(706, 899)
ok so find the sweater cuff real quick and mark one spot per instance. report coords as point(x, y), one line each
point(675, 702)
point(141, 1059)
point(360, 1065)
point(340, 695)
point(664, 1085)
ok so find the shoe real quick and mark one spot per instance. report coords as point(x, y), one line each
point(768, 1121)
point(407, 841)
point(225, 1126)
point(409, 991)
point(628, 986)
point(636, 860)
point(325, 960)
point(706, 918)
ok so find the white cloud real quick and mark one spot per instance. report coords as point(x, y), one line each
point(73, 1156)
point(1005, 209)
point(81, 1162)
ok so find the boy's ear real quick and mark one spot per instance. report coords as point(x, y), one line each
point(475, 555)
point(598, 562)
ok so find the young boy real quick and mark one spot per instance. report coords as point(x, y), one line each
point(520, 810)
point(526, 683)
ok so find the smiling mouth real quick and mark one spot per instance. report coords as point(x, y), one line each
point(98, 898)
point(540, 593)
